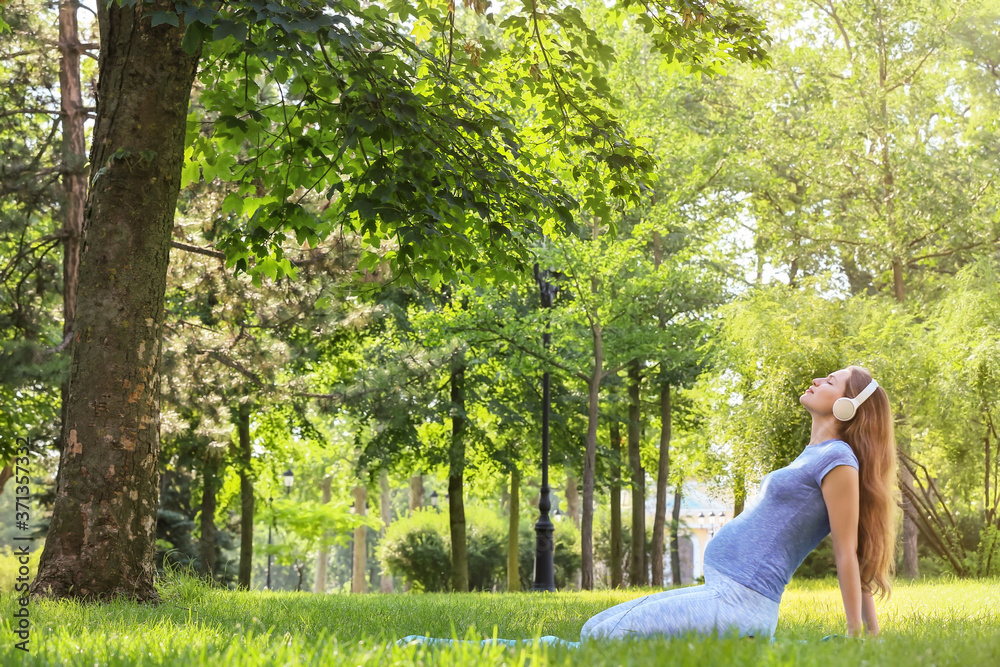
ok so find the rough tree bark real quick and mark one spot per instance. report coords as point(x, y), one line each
point(662, 476)
point(246, 498)
point(102, 538)
point(637, 564)
point(456, 471)
point(616, 505)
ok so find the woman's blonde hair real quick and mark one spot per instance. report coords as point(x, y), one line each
point(871, 435)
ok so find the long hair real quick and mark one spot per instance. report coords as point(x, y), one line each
point(871, 435)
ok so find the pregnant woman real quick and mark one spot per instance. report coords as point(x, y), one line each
point(841, 484)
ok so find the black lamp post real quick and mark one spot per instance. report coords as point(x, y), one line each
point(544, 551)
point(434, 499)
point(288, 478)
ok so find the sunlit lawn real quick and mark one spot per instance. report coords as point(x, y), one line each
point(939, 622)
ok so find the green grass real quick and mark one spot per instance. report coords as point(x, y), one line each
point(934, 622)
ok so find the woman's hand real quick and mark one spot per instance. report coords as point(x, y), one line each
point(868, 613)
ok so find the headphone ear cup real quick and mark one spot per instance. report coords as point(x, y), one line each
point(843, 409)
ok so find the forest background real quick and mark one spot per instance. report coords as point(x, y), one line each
point(754, 227)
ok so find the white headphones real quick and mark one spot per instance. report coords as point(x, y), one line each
point(844, 408)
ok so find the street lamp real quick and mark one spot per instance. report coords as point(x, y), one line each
point(544, 547)
point(434, 499)
point(288, 478)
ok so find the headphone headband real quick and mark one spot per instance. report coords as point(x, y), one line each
point(865, 393)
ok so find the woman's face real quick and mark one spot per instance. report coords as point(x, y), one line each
point(823, 392)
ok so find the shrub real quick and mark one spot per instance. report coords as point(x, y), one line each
point(418, 548)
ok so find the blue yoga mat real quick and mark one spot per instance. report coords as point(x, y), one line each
point(514, 643)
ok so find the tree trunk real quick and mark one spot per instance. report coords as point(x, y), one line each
point(358, 584)
point(74, 155)
point(5, 474)
point(513, 575)
point(74, 162)
point(385, 506)
point(911, 563)
point(637, 564)
point(208, 532)
point(675, 522)
point(662, 476)
point(589, 463)
point(416, 492)
point(246, 498)
point(456, 471)
point(616, 505)
point(573, 498)
point(319, 586)
point(739, 494)
point(102, 537)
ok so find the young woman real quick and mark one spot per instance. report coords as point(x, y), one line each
point(842, 484)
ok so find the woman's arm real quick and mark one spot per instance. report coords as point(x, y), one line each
point(868, 613)
point(840, 492)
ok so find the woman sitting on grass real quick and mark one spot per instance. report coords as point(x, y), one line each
point(842, 484)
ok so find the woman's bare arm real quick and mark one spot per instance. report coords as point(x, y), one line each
point(841, 493)
point(868, 613)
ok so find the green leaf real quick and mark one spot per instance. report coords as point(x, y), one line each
point(192, 38)
point(159, 18)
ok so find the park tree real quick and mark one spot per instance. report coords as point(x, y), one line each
point(342, 69)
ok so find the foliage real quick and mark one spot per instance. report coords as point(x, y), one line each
point(30, 267)
point(418, 547)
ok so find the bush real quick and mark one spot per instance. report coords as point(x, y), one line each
point(418, 548)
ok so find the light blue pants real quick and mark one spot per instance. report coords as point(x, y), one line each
point(719, 605)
